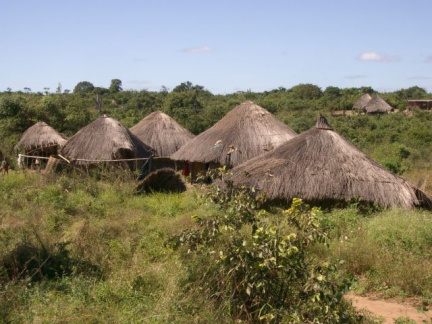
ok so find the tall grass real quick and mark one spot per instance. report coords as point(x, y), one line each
point(92, 251)
point(120, 269)
point(390, 251)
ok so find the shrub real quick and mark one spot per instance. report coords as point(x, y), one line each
point(258, 270)
point(36, 262)
point(162, 180)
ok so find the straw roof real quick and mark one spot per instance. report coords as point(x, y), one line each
point(377, 105)
point(162, 133)
point(361, 103)
point(320, 165)
point(246, 131)
point(103, 140)
point(40, 136)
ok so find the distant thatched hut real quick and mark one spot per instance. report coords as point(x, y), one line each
point(103, 141)
point(243, 133)
point(362, 102)
point(163, 134)
point(319, 165)
point(40, 140)
point(377, 105)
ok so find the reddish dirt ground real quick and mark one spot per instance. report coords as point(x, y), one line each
point(389, 310)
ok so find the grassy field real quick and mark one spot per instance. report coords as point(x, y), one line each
point(79, 250)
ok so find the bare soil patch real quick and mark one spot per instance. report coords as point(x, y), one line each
point(390, 310)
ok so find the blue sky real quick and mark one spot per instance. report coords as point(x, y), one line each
point(225, 46)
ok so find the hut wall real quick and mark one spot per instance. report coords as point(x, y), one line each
point(421, 104)
point(198, 169)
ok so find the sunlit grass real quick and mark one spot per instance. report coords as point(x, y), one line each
point(132, 277)
point(390, 252)
point(122, 271)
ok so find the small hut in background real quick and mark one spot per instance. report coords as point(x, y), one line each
point(377, 105)
point(40, 140)
point(164, 135)
point(245, 132)
point(423, 104)
point(362, 102)
point(104, 141)
point(320, 166)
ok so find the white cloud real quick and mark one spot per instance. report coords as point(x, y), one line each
point(375, 57)
point(199, 49)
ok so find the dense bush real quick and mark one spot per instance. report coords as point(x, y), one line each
point(260, 269)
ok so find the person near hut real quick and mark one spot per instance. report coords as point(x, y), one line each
point(5, 166)
point(185, 171)
point(20, 163)
point(37, 165)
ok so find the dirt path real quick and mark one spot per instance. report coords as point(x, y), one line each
point(390, 310)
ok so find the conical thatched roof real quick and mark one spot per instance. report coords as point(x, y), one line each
point(320, 165)
point(245, 132)
point(162, 133)
point(40, 136)
point(377, 105)
point(102, 140)
point(361, 103)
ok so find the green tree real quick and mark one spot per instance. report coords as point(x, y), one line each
point(369, 90)
point(186, 109)
point(186, 86)
point(9, 107)
point(412, 93)
point(116, 86)
point(332, 92)
point(83, 87)
point(306, 91)
point(100, 91)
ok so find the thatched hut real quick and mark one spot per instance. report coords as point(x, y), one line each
point(362, 102)
point(163, 134)
point(377, 105)
point(319, 165)
point(245, 132)
point(40, 140)
point(104, 141)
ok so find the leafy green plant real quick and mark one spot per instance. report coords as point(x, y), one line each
point(257, 269)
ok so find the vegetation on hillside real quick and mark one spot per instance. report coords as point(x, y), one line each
point(397, 141)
